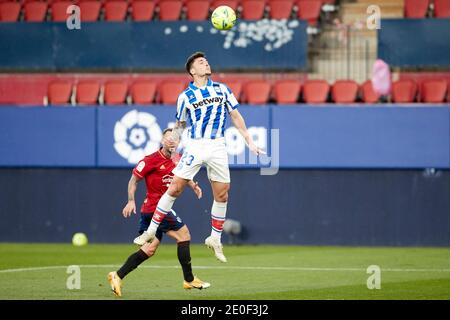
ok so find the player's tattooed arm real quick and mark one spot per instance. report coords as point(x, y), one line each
point(239, 123)
point(196, 188)
point(131, 205)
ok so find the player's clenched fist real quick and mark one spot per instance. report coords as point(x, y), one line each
point(129, 208)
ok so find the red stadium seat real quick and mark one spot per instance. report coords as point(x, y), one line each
point(433, 91)
point(169, 91)
point(116, 10)
point(9, 11)
point(142, 10)
point(87, 92)
point(404, 91)
point(197, 10)
point(315, 91)
point(442, 8)
point(448, 92)
point(416, 8)
point(59, 92)
point(344, 91)
point(257, 92)
point(280, 9)
point(286, 91)
point(89, 10)
point(233, 4)
point(368, 95)
point(143, 92)
point(35, 11)
point(253, 9)
point(235, 87)
point(59, 10)
point(170, 10)
point(309, 10)
point(115, 92)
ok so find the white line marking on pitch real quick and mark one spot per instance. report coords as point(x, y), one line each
point(226, 268)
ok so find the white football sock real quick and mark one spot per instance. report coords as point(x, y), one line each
point(164, 206)
point(218, 214)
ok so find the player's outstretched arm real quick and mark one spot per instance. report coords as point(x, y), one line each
point(239, 123)
point(131, 204)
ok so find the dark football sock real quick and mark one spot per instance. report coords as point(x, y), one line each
point(184, 256)
point(132, 262)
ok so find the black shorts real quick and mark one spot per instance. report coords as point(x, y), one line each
point(170, 222)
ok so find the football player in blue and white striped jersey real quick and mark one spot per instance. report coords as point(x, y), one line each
point(205, 104)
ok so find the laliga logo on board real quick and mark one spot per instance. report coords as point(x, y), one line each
point(136, 135)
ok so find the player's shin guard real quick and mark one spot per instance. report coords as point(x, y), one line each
point(164, 206)
point(218, 214)
point(132, 263)
point(184, 256)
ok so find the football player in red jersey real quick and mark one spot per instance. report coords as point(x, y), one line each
point(156, 169)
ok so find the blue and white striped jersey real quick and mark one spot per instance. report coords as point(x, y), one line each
point(206, 109)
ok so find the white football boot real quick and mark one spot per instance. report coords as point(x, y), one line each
point(144, 238)
point(215, 244)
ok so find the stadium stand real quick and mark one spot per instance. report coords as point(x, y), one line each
point(344, 91)
point(233, 4)
point(59, 11)
point(142, 92)
point(256, 92)
point(116, 10)
point(252, 9)
point(411, 88)
point(169, 91)
point(91, 88)
point(170, 10)
point(416, 8)
point(280, 9)
point(236, 87)
point(115, 92)
point(142, 10)
point(197, 10)
point(9, 11)
point(87, 92)
point(35, 11)
point(448, 92)
point(404, 91)
point(89, 10)
point(442, 8)
point(433, 91)
point(309, 10)
point(368, 95)
point(59, 93)
point(315, 91)
point(286, 91)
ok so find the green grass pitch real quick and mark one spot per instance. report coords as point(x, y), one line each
point(39, 271)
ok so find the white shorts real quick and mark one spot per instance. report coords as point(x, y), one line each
point(209, 152)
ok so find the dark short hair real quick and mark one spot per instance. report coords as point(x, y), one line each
point(167, 130)
point(191, 59)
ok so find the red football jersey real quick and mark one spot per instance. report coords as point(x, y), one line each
point(156, 169)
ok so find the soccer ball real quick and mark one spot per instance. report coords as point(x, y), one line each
point(79, 239)
point(223, 18)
